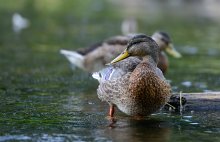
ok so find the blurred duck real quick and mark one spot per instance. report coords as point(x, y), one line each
point(165, 44)
point(134, 85)
point(19, 22)
point(129, 26)
point(94, 58)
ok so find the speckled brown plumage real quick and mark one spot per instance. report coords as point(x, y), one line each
point(139, 93)
point(141, 90)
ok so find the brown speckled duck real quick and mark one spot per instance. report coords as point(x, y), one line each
point(95, 57)
point(135, 86)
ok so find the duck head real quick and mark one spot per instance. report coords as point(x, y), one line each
point(165, 43)
point(141, 46)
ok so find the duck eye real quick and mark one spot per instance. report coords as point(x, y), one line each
point(165, 41)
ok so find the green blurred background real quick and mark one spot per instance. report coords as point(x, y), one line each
point(71, 24)
point(42, 98)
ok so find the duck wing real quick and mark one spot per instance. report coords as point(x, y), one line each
point(117, 70)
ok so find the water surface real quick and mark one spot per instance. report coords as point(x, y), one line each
point(43, 99)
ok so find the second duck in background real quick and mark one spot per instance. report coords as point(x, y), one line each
point(94, 58)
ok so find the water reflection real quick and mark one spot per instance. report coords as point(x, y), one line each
point(15, 137)
point(128, 129)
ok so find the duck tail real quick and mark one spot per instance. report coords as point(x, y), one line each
point(76, 59)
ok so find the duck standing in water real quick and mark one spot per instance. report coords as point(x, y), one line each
point(94, 58)
point(136, 87)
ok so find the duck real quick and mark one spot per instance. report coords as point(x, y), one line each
point(129, 25)
point(166, 46)
point(132, 82)
point(19, 23)
point(94, 58)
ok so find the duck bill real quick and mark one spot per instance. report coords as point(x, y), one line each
point(122, 56)
point(172, 51)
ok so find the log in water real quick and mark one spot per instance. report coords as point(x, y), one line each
point(197, 101)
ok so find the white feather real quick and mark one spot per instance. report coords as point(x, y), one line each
point(75, 58)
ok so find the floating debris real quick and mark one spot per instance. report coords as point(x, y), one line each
point(187, 83)
point(186, 120)
point(213, 52)
point(194, 123)
point(201, 85)
point(189, 116)
point(189, 50)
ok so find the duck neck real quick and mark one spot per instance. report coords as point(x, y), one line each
point(149, 59)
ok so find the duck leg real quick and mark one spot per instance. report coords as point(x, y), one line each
point(111, 110)
point(111, 116)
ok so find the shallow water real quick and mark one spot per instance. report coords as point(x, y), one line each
point(43, 99)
